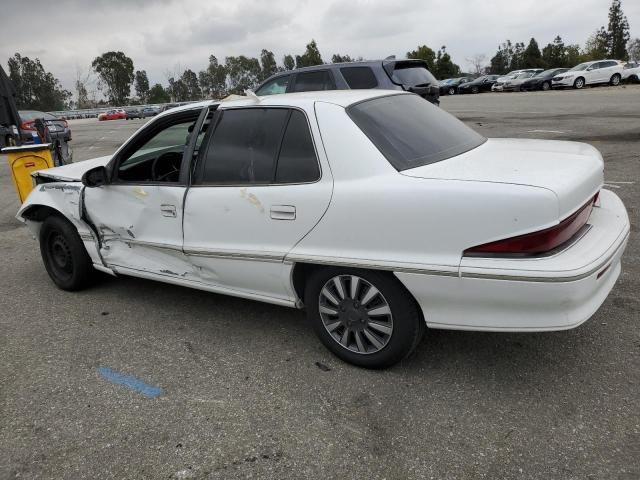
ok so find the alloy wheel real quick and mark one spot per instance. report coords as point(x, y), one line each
point(355, 314)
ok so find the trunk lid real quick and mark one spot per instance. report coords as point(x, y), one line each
point(72, 172)
point(571, 170)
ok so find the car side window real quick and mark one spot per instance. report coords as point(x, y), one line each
point(297, 162)
point(243, 147)
point(275, 86)
point(313, 81)
point(158, 158)
point(359, 77)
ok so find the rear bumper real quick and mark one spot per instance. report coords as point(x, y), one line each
point(558, 292)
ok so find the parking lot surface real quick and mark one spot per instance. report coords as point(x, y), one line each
point(136, 379)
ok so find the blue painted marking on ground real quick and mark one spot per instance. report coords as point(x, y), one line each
point(130, 382)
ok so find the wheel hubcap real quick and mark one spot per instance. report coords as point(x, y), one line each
point(356, 314)
point(60, 254)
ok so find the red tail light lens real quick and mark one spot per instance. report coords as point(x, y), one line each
point(538, 242)
point(27, 125)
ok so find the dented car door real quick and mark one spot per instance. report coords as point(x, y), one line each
point(260, 186)
point(138, 214)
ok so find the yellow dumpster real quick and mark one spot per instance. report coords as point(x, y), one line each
point(23, 161)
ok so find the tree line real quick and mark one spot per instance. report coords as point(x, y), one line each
point(113, 73)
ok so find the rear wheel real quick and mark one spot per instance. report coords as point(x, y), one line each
point(64, 255)
point(579, 83)
point(615, 80)
point(546, 86)
point(364, 317)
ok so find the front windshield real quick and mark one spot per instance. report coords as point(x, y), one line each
point(577, 68)
point(525, 75)
point(546, 72)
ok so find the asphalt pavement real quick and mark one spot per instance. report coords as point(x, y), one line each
point(137, 379)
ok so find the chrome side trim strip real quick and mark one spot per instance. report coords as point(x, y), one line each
point(142, 243)
point(254, 256)
point(573, 278)
point(372, 264)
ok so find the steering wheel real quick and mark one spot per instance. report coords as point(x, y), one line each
point(166, 167)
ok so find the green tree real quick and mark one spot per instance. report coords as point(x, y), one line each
point(597, 46)
point(242, 73)
point(213, 80)
point(289, 62)
point(618, 32)
point(633, 47)
point(268, 63)
point(157, 94)
point(517, 59)
point(554, 55)
point(36, 89)
point(115, 70)
point(337, 58)
point(423, 52)
point(531, 57)
point(141, 85)
point(191, 86)
point(501, 62)
point(445, 68)
point(310, 57)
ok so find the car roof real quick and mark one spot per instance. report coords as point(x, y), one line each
point(344, 98)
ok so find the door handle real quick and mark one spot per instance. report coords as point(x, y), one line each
point(168, 210)
point(283, 212)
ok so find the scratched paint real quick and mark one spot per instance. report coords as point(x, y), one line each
point(131, 382)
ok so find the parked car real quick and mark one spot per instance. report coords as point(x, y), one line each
point(514, 84)
point(361, 206)
point(631, 73)
point(133, 113)
point(452, 84)
point(409, 75)
point(499, 85)
point(150, 112)
point(590, 73)
point(53, 123)
point(542, 80)
point(480, 84)
point(115, 114)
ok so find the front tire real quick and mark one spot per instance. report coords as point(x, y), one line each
point(64, 256)
point(579, 83)
point(546, 86)
point(452, 91)
point(364, 317)
point(475, 90)
point(615, 80)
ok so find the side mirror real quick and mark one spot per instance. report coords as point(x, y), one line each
point(95, 177)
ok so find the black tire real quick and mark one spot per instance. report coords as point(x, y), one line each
point(546, 86)
point(475, 90)
point(578, 83)
point(452, 91)
point(615, 80)
point(64, 256)
point(408, 325)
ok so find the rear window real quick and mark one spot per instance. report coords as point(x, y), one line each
point(412, 75)
point(410, 132)
point(359, 77)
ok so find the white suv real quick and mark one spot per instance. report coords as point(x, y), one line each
point(590, 73)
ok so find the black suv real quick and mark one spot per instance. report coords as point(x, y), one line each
point(409, 75)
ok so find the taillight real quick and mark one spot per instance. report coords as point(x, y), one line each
point(538, 242)
point(27, 125)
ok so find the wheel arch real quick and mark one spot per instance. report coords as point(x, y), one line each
point(301, 271)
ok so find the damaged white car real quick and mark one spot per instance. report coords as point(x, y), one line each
point(376, 211)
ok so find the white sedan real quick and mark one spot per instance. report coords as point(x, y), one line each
point(376, 211)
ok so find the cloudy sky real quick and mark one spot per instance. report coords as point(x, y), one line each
point(170, 35)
